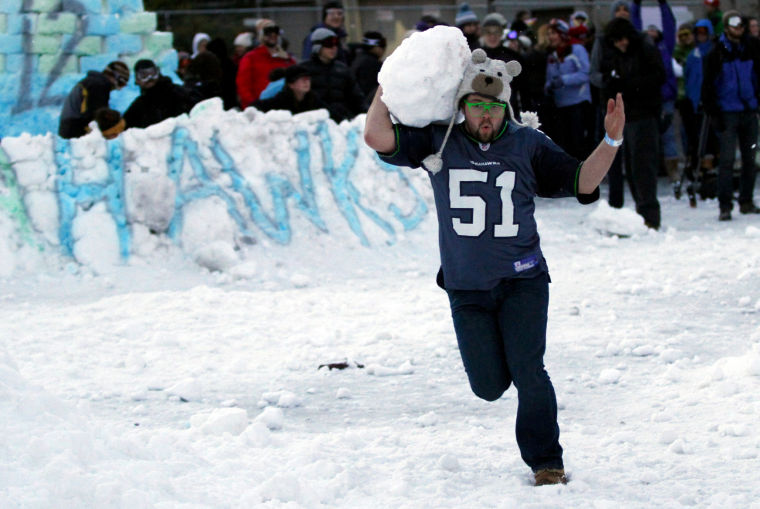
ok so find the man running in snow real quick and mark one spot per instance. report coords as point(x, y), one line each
point(485, 175)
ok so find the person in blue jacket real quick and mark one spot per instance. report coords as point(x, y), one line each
point(567, 83)
point(485, 174)
point(692, 74)
point(730, 91)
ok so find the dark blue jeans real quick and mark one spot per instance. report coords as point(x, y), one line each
point(502, 339)
point(741, 126)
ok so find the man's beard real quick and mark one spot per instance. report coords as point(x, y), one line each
point(486, 137)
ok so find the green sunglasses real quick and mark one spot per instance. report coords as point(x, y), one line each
point(480, 109)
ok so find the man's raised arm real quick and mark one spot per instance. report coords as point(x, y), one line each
point(379, 133)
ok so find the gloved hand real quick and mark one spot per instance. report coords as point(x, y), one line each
point(557, 82)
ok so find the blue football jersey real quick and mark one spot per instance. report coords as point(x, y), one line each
point(484, 196)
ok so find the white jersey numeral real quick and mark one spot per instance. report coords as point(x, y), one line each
point(506, 181)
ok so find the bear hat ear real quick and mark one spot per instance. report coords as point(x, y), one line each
point(514, 68)
point(479, 56)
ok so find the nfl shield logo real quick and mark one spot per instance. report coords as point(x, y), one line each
point(485, 146)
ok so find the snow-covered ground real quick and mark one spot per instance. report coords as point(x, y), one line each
point(168, 386)
point(159, 383)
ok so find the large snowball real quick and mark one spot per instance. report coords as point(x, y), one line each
point(420, 79)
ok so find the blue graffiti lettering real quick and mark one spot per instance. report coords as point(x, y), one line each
point(280, 188)
point(345, 193)
point(71, 195)
point(183, 144)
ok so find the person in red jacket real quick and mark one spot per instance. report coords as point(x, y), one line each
point(254, 69)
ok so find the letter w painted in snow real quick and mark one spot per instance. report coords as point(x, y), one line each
point(280, 189)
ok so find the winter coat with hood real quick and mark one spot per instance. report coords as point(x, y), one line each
point(693, 70)
point(572, 70)
point(732, 76)
point(336, 87)
point(637, 73)
point(666, 43)
point(79, 107)
point(254, 69)
point(157, 103)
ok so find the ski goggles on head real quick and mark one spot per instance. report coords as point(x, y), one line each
point(147, 74)
point(330, 42)
point(481, 108)
point(272, 30)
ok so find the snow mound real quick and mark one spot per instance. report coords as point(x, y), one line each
point(421, 77)
point(619, 222)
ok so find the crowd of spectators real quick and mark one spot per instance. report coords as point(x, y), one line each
point(691, 92)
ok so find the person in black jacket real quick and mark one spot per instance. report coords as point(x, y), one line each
point(296, 96)
point(632, 65)
point(367, 63)
point(88, 96)
point(159, 97)
point(331, 79)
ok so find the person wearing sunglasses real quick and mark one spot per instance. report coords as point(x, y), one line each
point(255, 66)
point(159, 97)
point(88, 96)
point(485, 175)
point(331, 79)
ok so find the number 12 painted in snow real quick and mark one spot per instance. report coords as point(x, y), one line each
point(506, 181)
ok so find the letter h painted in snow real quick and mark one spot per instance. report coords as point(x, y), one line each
point(72, 195)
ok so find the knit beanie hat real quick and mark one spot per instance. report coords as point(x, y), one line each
point(319, 35)
point(484, 76)
point(560, 26)
point(293, 72)
point(494, 19)
point(244, 39)
point(617, 4)
point(619, 28)
point(580, 14)
point(109, 122)
point(732, 14)
point(465, 15)
point(330, 5)
point(374, 39)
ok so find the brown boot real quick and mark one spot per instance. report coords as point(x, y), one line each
point(547, 476)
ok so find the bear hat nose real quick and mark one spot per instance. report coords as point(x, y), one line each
point(489, 80)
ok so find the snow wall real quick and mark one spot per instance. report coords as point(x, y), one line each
point(47, 46)
point(220, 186)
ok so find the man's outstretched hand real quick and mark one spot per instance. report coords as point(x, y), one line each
point(614, 120)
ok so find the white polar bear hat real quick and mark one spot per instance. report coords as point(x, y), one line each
point(483, 76)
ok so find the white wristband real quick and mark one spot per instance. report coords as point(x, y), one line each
point(612, 143)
